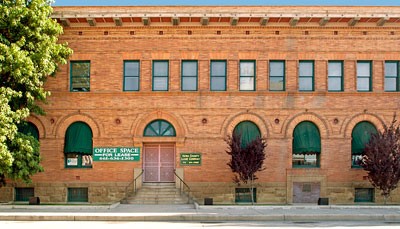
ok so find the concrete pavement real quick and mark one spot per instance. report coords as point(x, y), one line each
point(122, 212)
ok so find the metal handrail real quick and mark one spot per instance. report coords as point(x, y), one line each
point(133, 182)
point(182, 187)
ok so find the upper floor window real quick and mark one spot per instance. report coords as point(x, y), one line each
point(80, 76)
point(277, 75)
point(335, 76)
point(247, 81)
point(160, 75)
point(189, 75)
point(131, 75)
point(306, 75)
point(364, 76)
point(218, 75)
point(392, 76)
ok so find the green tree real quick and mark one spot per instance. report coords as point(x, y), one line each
point(29, 53)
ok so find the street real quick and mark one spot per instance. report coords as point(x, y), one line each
point(175, 225)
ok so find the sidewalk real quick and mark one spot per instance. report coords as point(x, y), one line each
point(122, 212)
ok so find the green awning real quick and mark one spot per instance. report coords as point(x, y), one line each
point(78, 139)
point(29, 128)
point(306, 138)
point(360, 136)
point(248, 132)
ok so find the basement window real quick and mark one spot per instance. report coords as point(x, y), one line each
point(78, 195)
point(242, 195)
point(364, 195)
point(23, 194)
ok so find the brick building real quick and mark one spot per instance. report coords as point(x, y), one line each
point(173, 82)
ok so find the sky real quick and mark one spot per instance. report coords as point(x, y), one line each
point(225, 2)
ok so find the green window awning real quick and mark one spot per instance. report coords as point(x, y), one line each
point(360, 136)
point(306, 138)
point(248, 132)
point(29, 128)
point(159, 128)
point(78, 139)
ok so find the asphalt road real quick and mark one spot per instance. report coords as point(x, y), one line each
point(178, 225)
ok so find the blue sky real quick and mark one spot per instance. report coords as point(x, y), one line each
point(224, 2)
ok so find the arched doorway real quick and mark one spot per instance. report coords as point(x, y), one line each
point(159, 158)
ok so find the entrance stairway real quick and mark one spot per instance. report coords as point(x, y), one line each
point(157, 193)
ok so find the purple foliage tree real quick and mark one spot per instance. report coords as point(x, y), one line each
point(246, 161)
point(381, 159)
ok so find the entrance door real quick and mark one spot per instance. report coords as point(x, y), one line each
point(159, 163)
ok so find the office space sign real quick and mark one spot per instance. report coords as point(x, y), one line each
point(116, 154)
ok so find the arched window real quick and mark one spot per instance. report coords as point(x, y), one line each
point(306, 145)
point(29, 128)
point(78, 146)
point(159, 128)
point(248, 132)
point(359, 138)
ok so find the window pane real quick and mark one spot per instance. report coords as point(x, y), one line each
point(335, 69)
point(276, 69)
point(72, 159)
point(310, 159)
point(305, 84)
point(131, 68)
point(390, 84)
point(131, 84)
point(189, 68)
point(87, 160)
point(160, 83)
point(218, 68)
point(80, 69)
point(189, 83)
point(246, 83)
point(363, 84)
point(363, 69)
point(391, 69)
point(246, 68)
point(218, 84)
point(160, 69)
point(306, 69)
point(334, 84)
point(276, 84)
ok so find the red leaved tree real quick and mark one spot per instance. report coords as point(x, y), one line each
point(381, 159)
point(246, 161)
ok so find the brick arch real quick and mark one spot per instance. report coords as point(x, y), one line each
point(230, 123)
point(141, 123)
point(323, 127)
point(349, 126)
point(67, 121)
point(39, 125)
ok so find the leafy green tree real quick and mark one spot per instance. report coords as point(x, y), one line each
point(381, 159)
point(29, 53)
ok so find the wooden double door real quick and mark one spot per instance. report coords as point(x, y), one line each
point(159, 163)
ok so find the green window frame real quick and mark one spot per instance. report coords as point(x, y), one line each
point(306, 75)
point(218, 69)
point(24, 194)
point(189, 75)
point(243, 195)
point(364, 195)
point(247, 75)
point(131, 75)
point(80, 76)
point(159, 128)
point(306, 146)
point(78, 195)
point(392, 76)
point(160, 75)
point(360, 136)
point(248, 132)
point(335, 76)
point(78, 146)
point(277, 75)
point(364, 76)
